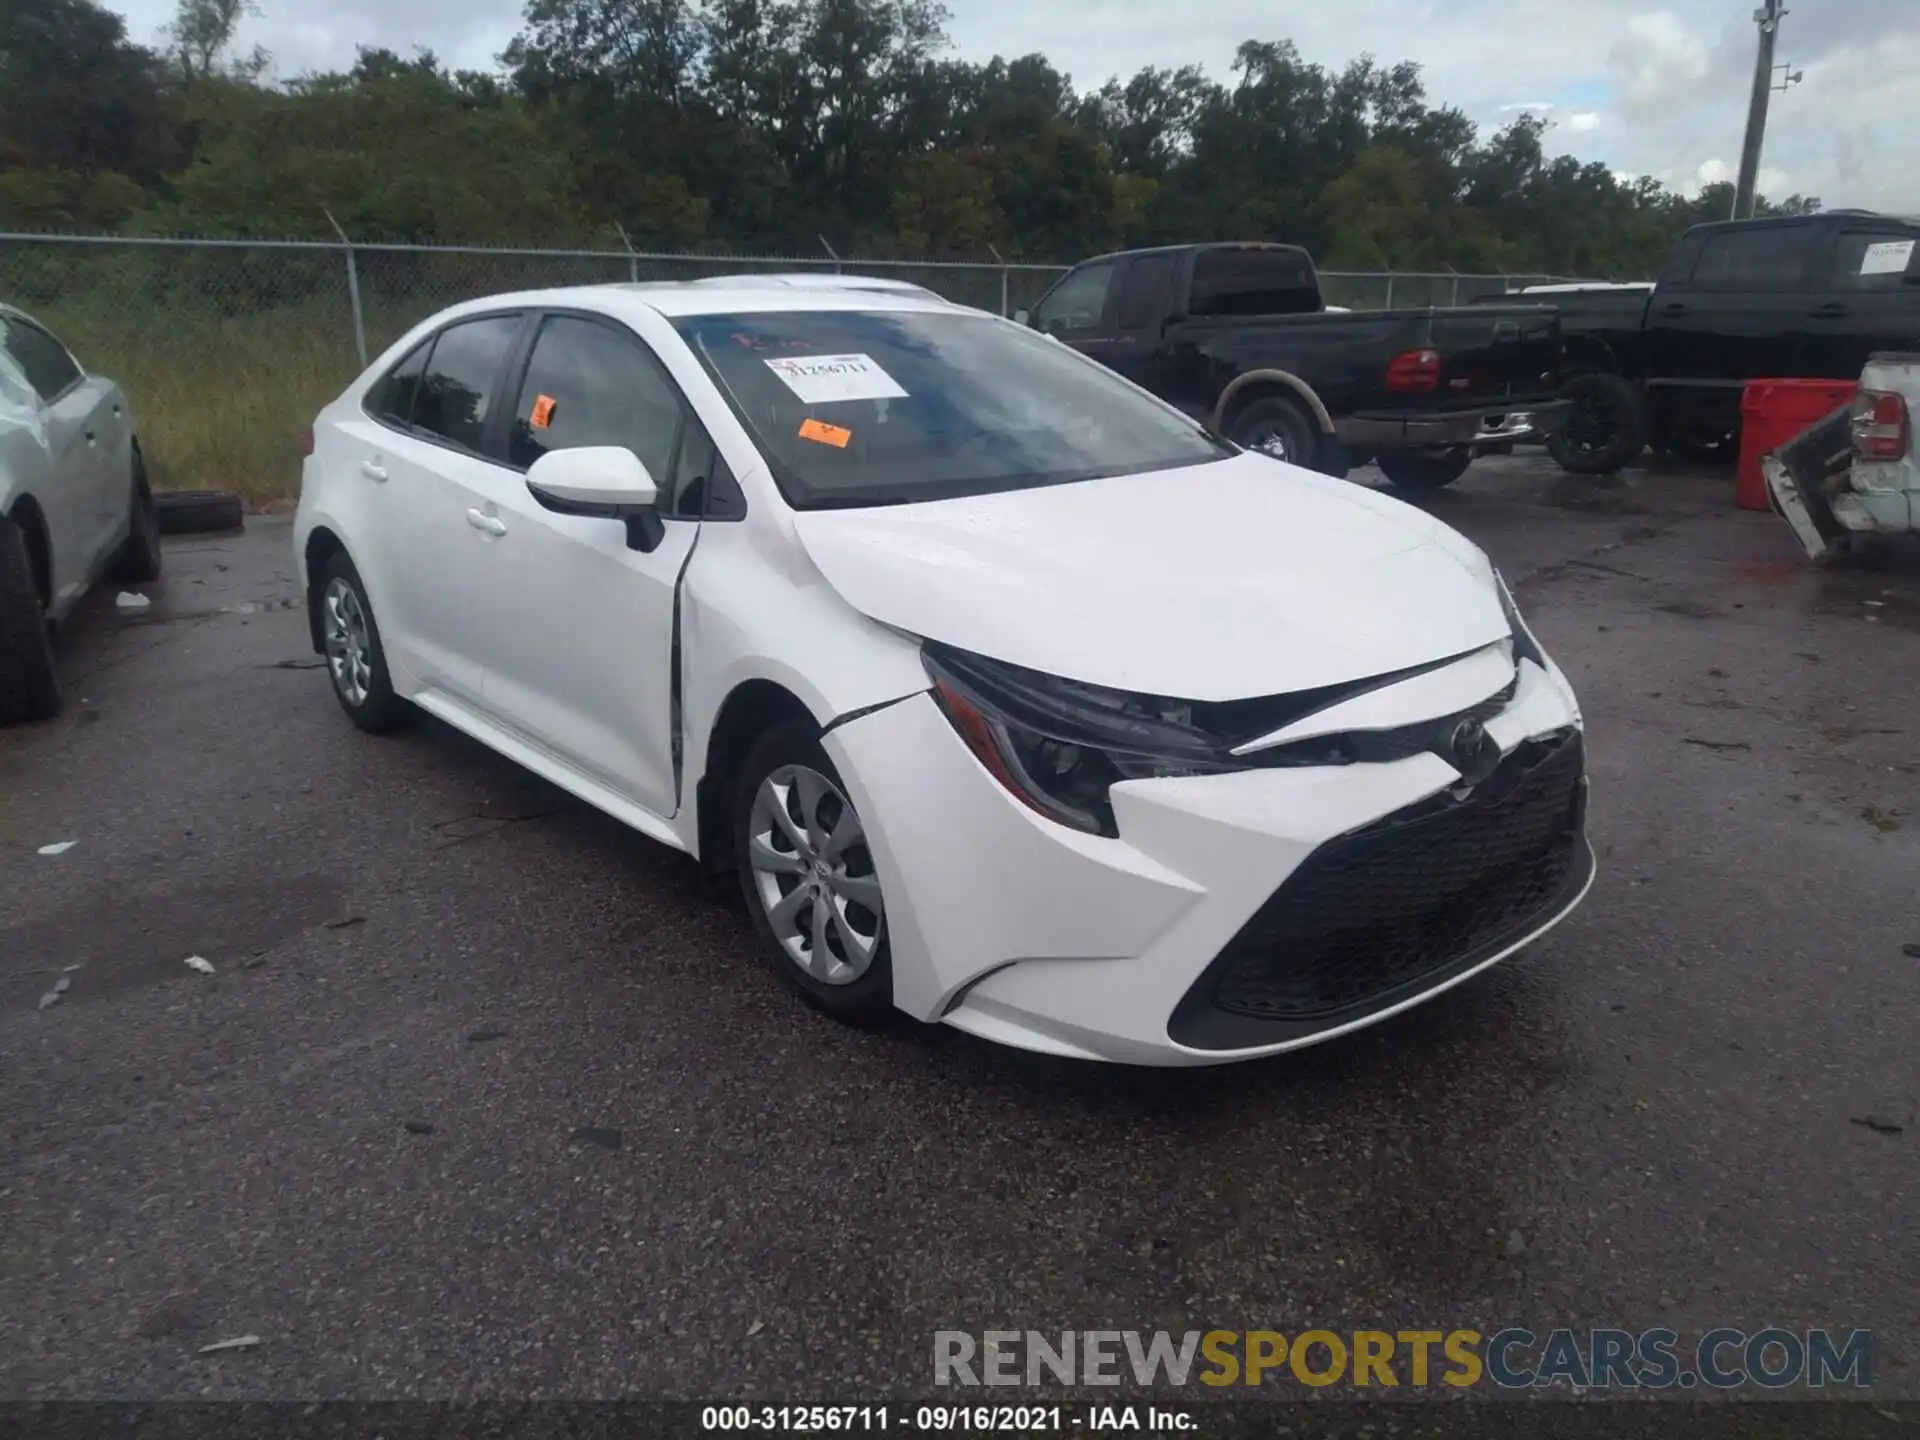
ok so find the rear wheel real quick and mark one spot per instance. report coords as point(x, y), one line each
point(1423, 469)
point(29, 685)
point(138, 562)
point(808, 876)
point(1277, 426)
point(1607, 429)
point(356, 661)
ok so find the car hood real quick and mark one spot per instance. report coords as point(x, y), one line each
point(1221, 582)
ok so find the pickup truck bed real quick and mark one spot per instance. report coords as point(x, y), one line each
point(1237, 336)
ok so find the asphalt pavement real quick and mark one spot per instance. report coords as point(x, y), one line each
point(486, 1096)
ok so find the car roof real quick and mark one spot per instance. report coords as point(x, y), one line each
point(721, 295)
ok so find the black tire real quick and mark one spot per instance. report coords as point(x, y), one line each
point(199, 512)
point(866, 999)
point(1606, 431)
point(138, 561)
point(1423, 469)
point(29, 685)
point(377, 710)
point(1278, 426)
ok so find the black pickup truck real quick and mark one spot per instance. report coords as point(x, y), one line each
point(1809, 296)
point(1237, 335)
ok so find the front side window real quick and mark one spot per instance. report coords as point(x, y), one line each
point(588, 383)
point(1077, 302)
point(457, 385)
point(1773, 258)
point(891, 407)
point(43, 359)
point(1145, 292)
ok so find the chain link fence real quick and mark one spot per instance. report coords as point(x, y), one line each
point(228, 348)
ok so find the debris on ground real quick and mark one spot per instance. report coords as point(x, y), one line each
point(1876, 1124)
point(416, 1127)
point(296, 665)
point(127, 600)
point(200, 963)
point(59, 847)
point(596, 1135)
point(1717, 744)
point(60, 987)
point(755, 1328)
point(1885, 821)
point(1912, 952)
point(1516, 1243)
point(346, 922)
point(239, 1342)
point(487, 1032)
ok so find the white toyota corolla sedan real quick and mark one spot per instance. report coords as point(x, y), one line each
point(1016, 700)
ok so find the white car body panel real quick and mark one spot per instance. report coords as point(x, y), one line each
point(72, 460)
point(1247, 577)
point(554, 644)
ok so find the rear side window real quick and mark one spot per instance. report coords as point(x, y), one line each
point(590, 384)
point(392, 395)
point(1253, 282)
point(1873, 260)
point(1079, 301)
point(457, 386)
point(1773, 258)
point(1145, 291)
point(43, 359)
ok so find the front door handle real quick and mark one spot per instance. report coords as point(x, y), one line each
point(1832, 310)
point(490, 524)
point(1674, 311)
point(92, 439)
point(374, 470)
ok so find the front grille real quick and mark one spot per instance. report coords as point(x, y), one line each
point(1381, 747)
point(1381, 912)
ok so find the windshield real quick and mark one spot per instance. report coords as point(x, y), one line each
point(889, 407)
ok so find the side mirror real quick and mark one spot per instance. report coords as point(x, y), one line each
point(1022, 317)
point(605, 482)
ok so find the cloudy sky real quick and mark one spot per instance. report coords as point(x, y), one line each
point(1657, 88)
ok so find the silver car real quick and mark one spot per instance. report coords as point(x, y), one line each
point(74, 504)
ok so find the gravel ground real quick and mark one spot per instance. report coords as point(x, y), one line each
point(486, 1096)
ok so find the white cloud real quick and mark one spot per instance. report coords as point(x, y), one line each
point(1537, 106)
point(1584, 122)
point(1656, 60)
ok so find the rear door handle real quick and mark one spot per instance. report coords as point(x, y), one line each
point(1832, 310)
point(490, 524)
point(1674, 311)
point(373, 470)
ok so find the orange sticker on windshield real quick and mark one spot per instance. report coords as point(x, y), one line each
point(542, 412)
point(824, 433)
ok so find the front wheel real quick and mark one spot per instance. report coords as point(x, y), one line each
point(1607, 428)
point(1423, 469)
point(29, 684)
point(807, 872)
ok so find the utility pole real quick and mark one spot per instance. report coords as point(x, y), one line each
point(1767, 17)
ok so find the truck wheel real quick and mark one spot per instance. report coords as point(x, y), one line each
point(1423, 469)
point(1606, 431)
point(1277, 426)
point(29, 685)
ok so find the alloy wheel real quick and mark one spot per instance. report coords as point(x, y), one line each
point(349, 653)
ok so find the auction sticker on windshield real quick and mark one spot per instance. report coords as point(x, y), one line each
point(1889, 257)
point(822, 379)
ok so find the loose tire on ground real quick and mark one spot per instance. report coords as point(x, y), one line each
point(356, 660)
point(779, 756)
point(138, 561)
point(1423, 470)
point(1606, 431)
point(29, 684)
point(199, 512)
point(1279, 426)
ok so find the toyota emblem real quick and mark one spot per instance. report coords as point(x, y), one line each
point(1465, 745)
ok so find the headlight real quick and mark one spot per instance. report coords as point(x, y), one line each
point(1059, 745)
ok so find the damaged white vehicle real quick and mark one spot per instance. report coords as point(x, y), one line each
point(1855, 475)
point(74, 504)
point(1016, 700)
